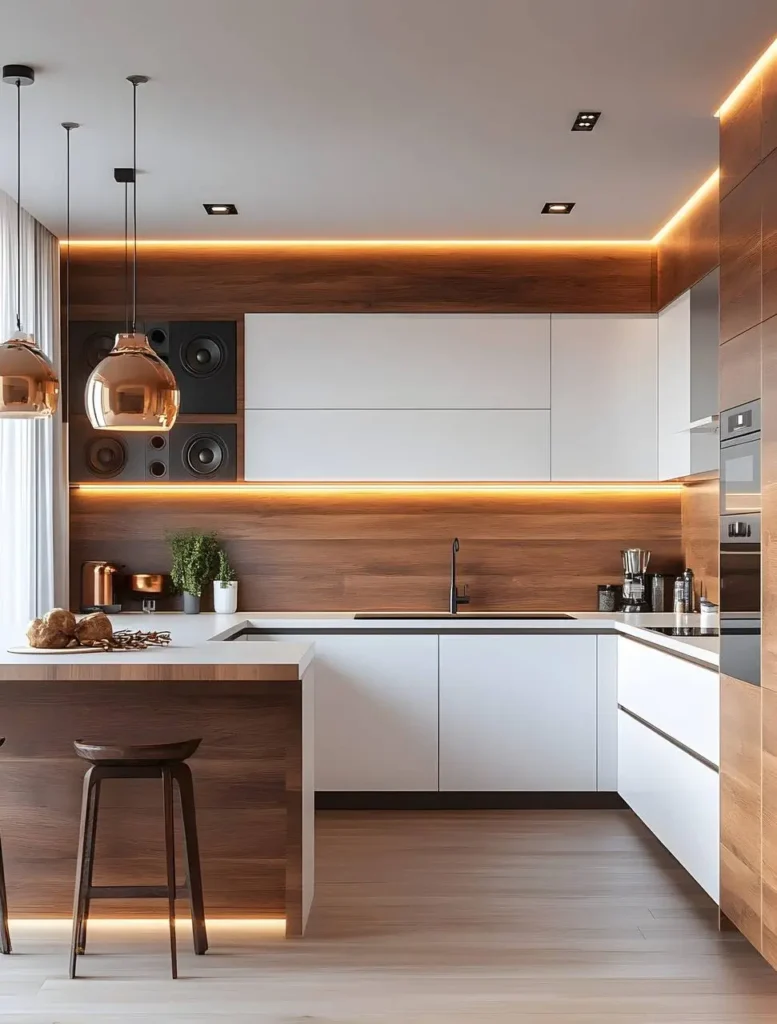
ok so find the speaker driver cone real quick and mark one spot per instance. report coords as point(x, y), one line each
point(106, 456)
point(203, 454)
point(96, 348)
point(202, 356)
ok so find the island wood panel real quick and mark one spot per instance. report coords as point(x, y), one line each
point(740, 806)
point(701, 532)
point(247, 782)
point(325, 552)
point(740, 257)
point(689, 251)
point(185, 282)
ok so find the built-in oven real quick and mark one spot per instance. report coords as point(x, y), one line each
point(740, 597)
point(740, 459)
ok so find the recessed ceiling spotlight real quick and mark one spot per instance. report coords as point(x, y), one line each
point(558, 207)
point(586, 120)
point(220, 209)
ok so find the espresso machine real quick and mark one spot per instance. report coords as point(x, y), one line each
point(635, 580)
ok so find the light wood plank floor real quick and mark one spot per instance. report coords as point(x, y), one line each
point(475, 918)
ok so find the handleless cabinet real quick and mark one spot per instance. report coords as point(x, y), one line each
point(604, 379)
point(518, 713)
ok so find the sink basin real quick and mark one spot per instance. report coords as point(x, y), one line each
point(462, 615)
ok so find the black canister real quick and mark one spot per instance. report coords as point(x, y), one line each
point(608, 597)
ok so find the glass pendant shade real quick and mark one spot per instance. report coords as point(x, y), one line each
point(29, 386)
point(132, 389)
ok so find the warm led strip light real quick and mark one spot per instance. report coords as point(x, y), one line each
point(701, 193)
point(760, 65)
point(344, 489)
point(362, 244)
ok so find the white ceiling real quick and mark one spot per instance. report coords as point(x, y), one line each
point(374, 118)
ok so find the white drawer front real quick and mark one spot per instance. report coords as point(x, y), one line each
point(679, 698)
point(676, 796)
point(393, 444)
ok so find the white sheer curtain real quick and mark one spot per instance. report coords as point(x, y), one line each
point(33, 486)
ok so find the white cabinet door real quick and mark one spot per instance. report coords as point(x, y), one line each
point(604, 397)
point(675, 795)
point(397, 444)
point(674, 388)
point(518, 713)
point(397, 361)
point(607, 713)
point(376, 712)
point(677, 697)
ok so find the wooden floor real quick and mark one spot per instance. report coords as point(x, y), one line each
point(530, 917)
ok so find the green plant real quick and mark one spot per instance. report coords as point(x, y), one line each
point(225, 574)
point(195, 561)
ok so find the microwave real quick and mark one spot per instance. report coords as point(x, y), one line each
point(740, 459)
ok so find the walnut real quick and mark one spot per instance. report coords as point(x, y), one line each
point(96, 626)
point(41, 634)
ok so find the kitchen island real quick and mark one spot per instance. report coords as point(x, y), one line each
point(253, 773)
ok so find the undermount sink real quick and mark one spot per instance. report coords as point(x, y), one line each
point(462, 615)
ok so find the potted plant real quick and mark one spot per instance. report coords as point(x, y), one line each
point(195, 563)
point(225, 587)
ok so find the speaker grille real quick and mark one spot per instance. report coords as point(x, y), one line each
point(106, 457)
point(204, 454)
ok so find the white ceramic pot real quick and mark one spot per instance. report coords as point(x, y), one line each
point(225, 598)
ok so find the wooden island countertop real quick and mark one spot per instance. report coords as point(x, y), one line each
point(252, 704)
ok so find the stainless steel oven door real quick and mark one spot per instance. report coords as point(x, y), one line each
point(740, 476)
point(740, 597)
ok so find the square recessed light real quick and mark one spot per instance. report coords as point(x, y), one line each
point(586, 120)
point(220, 209)
point(124, 175)
point(558, 207)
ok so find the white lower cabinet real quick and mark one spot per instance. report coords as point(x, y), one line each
point(376, 712)
point(518, 713)
point(675, 795)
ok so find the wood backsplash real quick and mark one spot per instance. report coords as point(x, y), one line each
point(391, 552)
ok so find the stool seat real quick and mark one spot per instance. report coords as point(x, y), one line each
point(149, 754)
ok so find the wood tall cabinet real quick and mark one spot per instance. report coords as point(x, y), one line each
point(748, 370)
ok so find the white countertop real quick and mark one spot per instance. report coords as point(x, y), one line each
point(201, 639)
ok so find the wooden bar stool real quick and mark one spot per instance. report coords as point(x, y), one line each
point(5, 935)
point(165, 761)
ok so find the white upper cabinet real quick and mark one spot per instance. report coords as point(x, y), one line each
point(604, 397)
point(397, 444)
point(674, 388)
point(396, 361)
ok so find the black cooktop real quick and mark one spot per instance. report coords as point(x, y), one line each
point(685, 630)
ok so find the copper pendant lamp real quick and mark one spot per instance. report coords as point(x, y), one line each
point(132, 388)
point(29, 385)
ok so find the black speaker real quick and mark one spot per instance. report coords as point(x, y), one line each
point(203, 357)
point(100, 456)
point(90, 343)
point(203, 453)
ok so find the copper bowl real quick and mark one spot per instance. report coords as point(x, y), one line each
point(147, 582)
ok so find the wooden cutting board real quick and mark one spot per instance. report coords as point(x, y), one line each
point(26, 649)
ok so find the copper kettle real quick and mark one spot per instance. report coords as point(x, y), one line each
point(98, 586)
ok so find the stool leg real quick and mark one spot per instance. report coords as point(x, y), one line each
point(91, 835)
point(83, 865)
point(5, 937)
point(183, 777)
point(167, 783)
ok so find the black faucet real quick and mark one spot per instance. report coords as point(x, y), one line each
point(456, 597)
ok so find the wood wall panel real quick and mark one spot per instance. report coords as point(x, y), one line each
point(224, 283)
point(740, 806)
point(689, 251)
point(740, 139)
point(769, 237)
point(769, 109)
point(740, 257)
point(700, 526)
point(740, 369)
point(391, 552)
point(769, 505)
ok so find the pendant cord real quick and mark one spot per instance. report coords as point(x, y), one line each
point(67, 264)
point(134, 205)
point(126, 258)
point(18, 204)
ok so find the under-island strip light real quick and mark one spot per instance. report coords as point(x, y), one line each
point(356, 489)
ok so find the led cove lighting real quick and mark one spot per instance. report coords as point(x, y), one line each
point(701, 192)
point(344, 489)
point(736, 95)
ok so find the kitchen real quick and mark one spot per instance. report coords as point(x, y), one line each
point(421, 460)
